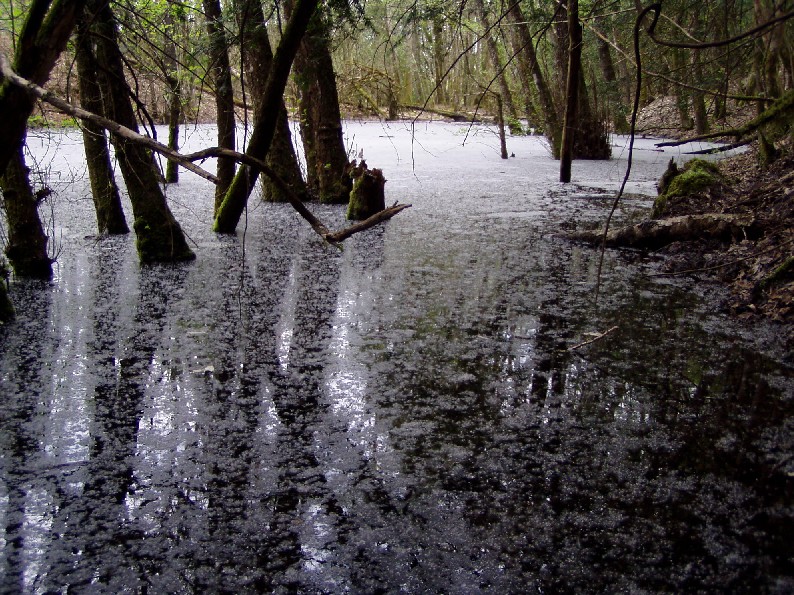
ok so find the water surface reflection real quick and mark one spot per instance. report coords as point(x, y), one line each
point(404, 415)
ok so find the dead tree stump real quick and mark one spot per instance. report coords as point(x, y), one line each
point(367, 196)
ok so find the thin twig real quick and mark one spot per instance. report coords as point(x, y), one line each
point(598, 337)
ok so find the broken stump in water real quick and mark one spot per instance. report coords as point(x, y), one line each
point(367, 196)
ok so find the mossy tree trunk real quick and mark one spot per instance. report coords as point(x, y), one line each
point(439, 49)
point(230, 211)
point(221, 74)
point(257, 60)
point(367, 196)
point(105, 192)
point(174, 84)
point(27, 241)
point(320, 116)
point(159, 236)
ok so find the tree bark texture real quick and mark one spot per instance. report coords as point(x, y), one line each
point(158, 235)
point(257, 60)
point(438, 59)
point(228, 216)
point(320, 116)
point(367, 196)
point(27, 241)
point(105, 192)
point(174, 90)
point(47, 28)
point(221, 74)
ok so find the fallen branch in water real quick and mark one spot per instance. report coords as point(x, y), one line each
point(188, 161)
point(598, 337)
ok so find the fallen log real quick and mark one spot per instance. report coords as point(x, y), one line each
point(657, 233)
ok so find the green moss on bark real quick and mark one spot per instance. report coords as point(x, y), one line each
point(695, 177)
point(161, 242)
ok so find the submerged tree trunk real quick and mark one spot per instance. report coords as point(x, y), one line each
point(257, 59)
point(228, 216)
point(27, 242)
point(367, 196)
point(320, 116)
point(159, 236)
point(572, 90)
point(105, 192)
point(221, 73)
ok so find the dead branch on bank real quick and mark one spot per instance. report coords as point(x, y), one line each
point(781, 107)
point(188, 161)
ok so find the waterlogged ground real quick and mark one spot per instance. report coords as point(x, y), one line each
point(403, 416)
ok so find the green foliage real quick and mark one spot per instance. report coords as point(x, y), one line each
point(39, 121)
point(696, 176)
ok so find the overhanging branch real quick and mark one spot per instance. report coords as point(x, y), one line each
point(188, 161)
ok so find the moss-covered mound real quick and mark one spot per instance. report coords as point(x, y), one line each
point(696, 185)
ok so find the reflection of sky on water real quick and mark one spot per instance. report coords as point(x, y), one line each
point(405, 414)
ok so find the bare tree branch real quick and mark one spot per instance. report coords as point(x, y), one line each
point(188, 161)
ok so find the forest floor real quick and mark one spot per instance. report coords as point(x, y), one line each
point(759, 269)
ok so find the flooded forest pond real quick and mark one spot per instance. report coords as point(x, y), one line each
point(406, 415)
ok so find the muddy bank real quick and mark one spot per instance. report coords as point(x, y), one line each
point(757, 267)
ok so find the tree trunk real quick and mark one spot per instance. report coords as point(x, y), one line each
point(228, 216)
point(367, 196)
point(500, 123)
point(572, 90)
point(221, 73)
point(27, 242)
point(438, 59)
point(105, 192)
point(159, 236)
point(698, 99)
point(530, 69)
point(257, 60)
point(174, 92)
point(320, 117)
point(46, 30)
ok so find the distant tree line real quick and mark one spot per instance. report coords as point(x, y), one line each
point(565, 69)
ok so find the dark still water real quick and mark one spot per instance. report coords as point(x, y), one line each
point(406, 415)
